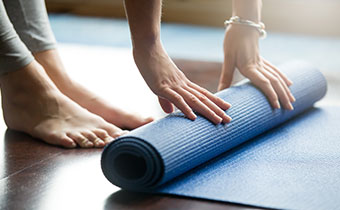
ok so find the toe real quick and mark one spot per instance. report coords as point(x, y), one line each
point(110, 129)
point(147, 120)
point(135, 121)
point(103, 135)
point(67, 142)
point(81, 140)
point(97, 142)
point(113, 130)
point(60, 139)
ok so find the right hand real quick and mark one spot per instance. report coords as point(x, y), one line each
point(173, 88)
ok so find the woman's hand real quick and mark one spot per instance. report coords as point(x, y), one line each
point(241, 51)
point(173, 88)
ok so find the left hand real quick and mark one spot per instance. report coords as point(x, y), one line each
point(241, 51)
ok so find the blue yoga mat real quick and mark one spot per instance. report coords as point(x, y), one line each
point(264, 157)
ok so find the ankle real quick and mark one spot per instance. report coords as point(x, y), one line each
point(30, 79)
point(53, 66)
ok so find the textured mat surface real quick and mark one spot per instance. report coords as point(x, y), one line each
point(294, 166)
point(258, 173)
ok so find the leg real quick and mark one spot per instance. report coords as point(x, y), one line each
point(31, 102)
point(13, 53)
point(41, 42)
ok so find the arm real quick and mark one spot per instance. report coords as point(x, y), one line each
point(241, 51)
point(158, 70)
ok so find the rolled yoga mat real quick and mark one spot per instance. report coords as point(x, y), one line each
point(178, 156)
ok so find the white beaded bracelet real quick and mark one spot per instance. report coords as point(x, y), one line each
point(237, 20)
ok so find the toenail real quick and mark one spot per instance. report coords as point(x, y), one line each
point(97, 141)
point(84, 141)
point(89, 144)
point(123, 132)
point(108, 139)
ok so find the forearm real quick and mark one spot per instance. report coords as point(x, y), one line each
point(248, 9)
point(144, 20)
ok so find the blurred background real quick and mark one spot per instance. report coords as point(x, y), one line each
point(298, 29)
point(193, 30)
point(315, 17)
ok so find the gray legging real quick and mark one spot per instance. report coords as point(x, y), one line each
point(24, 29)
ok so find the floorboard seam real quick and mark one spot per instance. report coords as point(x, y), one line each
point(30, 166)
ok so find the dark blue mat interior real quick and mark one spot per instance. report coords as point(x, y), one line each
point(264, 157)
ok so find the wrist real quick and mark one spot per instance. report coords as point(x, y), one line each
point(148, 48)
point(145, 56)
point(248, 9)
point(243, 31)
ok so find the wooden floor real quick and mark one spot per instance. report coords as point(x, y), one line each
point(34, 175)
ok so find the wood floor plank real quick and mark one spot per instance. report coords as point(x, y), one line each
point(20, 151)
point(73, 180)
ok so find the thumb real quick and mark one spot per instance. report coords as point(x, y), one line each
point(227, 73)
point(166, 105)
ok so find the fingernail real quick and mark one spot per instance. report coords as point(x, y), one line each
point(227, 105)
point(227, 119)
point(193, 116)
point(98, 142)
point(89, 144)
point(290, 106)
point(277, 105)
point(290, 82)
point(218, 120)
point(293, 99)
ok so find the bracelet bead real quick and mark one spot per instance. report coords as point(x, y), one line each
point(237, 20)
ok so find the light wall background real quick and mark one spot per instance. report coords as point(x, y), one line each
point(312, 17)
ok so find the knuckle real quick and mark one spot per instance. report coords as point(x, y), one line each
point(275, 81)
point(265, 82)
point(161, 91)
point(193, 99)
point(204, 91)
point(177, 98)
point(202, 98)
point(276, 74)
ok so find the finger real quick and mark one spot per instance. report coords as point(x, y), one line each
point(166, 105)
point(97, 142)
point(180, 103)
point(281, 92)
point(227, 73)
point(283, 83)
point(212, 106)
point(282, 75)
point(198, 106)
point(258, 79)
point(80, 139)
point(218, 101)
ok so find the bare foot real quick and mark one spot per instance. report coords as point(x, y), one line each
point(31, 103)
point(53, 66)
